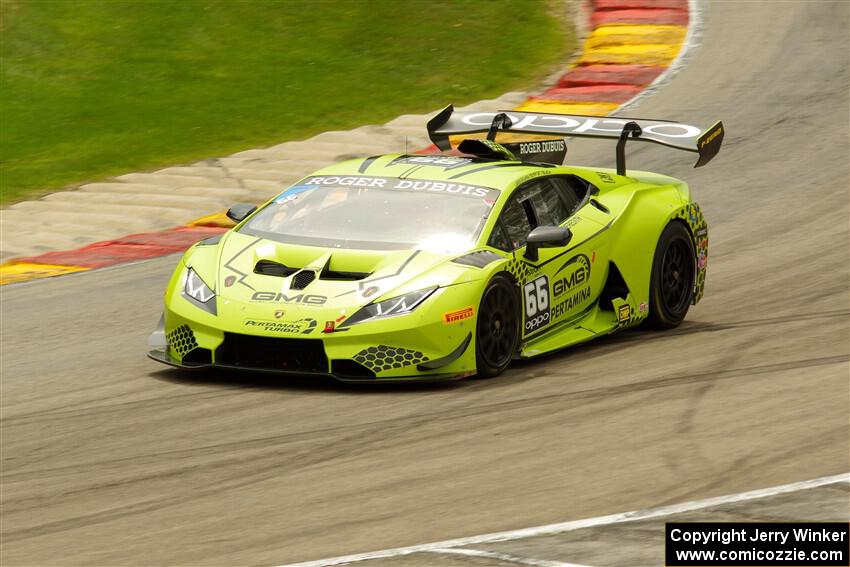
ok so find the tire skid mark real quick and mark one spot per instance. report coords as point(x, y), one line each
point(333, 449)
point(85, 408)
point(759, 322)
point(595, 349)
point(748, 462)
point(546, 530)
point(576, 396)
point(613, 341)
point(501, 557)
point(217, 449)
point(679, 460)
point(695, 327)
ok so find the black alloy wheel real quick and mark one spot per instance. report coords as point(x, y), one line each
point(497, 331)
point(673, 275)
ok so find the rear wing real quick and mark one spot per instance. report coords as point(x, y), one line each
point(706, 143)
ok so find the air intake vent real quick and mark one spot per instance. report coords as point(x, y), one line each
point(181, 340)
point(478, 259)
point(328, 274)
point(272, 353)
point(350, 369)
point(302, 279)
point(270, 268)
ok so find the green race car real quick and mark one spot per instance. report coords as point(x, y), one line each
point(432, 267)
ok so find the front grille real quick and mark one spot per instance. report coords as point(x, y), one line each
point(271, 353)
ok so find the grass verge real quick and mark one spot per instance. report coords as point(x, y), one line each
point(92, 89)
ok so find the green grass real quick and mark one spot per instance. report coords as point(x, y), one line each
point(91, 89)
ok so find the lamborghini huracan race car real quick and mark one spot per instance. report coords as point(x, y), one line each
point(430, 267)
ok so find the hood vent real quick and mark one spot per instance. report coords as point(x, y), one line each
point(270, 268)
point(305, 276)
point(302, 279)
point(328, 274)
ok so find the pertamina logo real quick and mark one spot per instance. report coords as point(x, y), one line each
point(301, 326)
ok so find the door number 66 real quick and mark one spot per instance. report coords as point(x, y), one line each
point(536, 296)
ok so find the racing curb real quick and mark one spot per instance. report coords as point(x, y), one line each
point(631, 44)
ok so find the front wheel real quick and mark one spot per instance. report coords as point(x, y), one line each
point(497, 331)
point(673, 271)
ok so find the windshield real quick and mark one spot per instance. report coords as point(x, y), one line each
point(382, 213)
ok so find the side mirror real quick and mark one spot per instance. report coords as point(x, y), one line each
point(240, 211)
point(546, 237)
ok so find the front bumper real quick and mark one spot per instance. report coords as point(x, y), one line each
point(161, 355)
point(403, 349)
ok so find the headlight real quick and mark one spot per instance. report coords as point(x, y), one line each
point(199, 293)
point(395, 306)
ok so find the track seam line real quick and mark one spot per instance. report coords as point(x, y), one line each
point(551, 529)
point(505, 557)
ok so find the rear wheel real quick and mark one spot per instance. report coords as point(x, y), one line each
point(497, 330)
point(673, 271)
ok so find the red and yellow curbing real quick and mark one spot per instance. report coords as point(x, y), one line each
point(632, 43)
point(19, 271)
point(611, 75)
point(129, 248)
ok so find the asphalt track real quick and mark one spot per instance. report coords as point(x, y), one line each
point(109, 459)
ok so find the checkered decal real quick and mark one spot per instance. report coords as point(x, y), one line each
point(181, 340)
point(382, 357)
point(692, 215)
point(518, 269)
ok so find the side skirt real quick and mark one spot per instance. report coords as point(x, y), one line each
point(587, 325)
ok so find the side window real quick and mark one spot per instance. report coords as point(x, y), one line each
point(548, 201)
point(571, 192)
point(549, 206)
point(514, 220)
point(499, 238)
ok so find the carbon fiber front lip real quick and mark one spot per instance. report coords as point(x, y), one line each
point(161, 356)
point(448, 359)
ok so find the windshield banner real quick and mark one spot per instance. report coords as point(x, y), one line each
point(391, 183)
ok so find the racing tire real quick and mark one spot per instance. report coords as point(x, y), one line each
point(673, 273)
point(497, 328)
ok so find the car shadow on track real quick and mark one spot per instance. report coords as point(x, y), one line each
point(519, 371)
point(269, 381)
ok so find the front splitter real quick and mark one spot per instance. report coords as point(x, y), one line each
point(161, 356)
